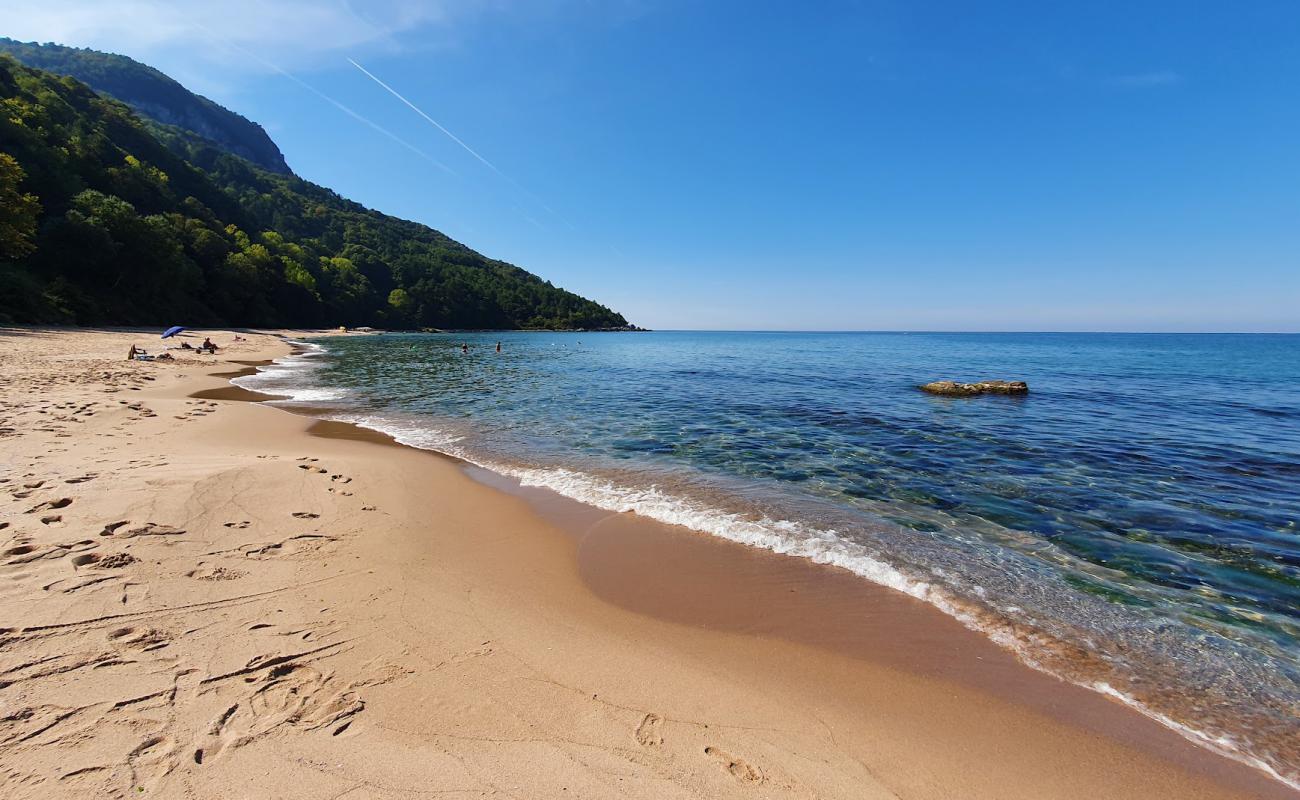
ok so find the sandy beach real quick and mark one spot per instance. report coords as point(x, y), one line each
point(206, 597)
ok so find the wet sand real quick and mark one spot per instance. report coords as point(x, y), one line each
point(235, 601)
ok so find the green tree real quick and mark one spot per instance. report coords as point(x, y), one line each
point(400, 301)
point(144, 223)
point(18, 211)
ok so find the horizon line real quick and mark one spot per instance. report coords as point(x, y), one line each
point(958, 330)
point(899, 331)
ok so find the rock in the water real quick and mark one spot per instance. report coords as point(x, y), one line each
point(955, 389)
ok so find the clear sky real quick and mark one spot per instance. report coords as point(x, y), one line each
point(832, 165)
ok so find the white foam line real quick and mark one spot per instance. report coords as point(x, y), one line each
point(1223, 745)
point(278, 378)
point(821, 546)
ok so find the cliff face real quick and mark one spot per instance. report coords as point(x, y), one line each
point(241, 137)
point(154, 95)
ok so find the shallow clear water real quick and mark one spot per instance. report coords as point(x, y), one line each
point(1131, 523)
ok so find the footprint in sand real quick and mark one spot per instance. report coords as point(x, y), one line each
point(151, 761)
point(305, 515)
point(53, 520)
point(650, 732)
point(240, 525)
point(51, 505)
point(298, 695)
point(84, 560)
point(27, 553)
point(112, 527)
point(152, 529)
point(133, 592)
point(215, 574)
point(116, 561)
point(216, 738)
point(89, 476)
point(739, 769)
point(286, 695)
point(294, 545)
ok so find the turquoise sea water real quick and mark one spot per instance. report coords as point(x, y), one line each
point(1131, 524)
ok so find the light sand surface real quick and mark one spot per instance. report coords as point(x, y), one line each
point(206, 597)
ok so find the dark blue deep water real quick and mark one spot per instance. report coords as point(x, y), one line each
point(1132, 522)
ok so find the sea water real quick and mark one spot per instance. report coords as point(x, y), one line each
point(1130, 524)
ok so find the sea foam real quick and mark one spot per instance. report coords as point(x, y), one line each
point(293, 378)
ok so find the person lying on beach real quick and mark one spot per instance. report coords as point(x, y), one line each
point(186, 346)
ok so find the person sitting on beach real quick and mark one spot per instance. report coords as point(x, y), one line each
point(186, 346)
point(208, 345)
point(130, 354)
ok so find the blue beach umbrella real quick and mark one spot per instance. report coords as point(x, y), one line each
point(172, 331)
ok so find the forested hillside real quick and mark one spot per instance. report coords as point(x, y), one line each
point(109, 219)
point(154, 95)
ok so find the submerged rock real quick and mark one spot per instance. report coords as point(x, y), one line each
point(955, 389)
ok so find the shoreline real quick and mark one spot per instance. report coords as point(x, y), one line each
point(535, 645)
point(923, 630)
point(1022, 645)
point(838, 594)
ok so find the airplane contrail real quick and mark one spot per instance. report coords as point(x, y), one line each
point(431, 120)
point(277, 68)
point(360, 118)
point(468, 149)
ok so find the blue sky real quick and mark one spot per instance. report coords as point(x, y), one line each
point(854, 165)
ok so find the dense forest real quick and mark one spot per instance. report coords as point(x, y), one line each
point(152, 94)
point(107, 218)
